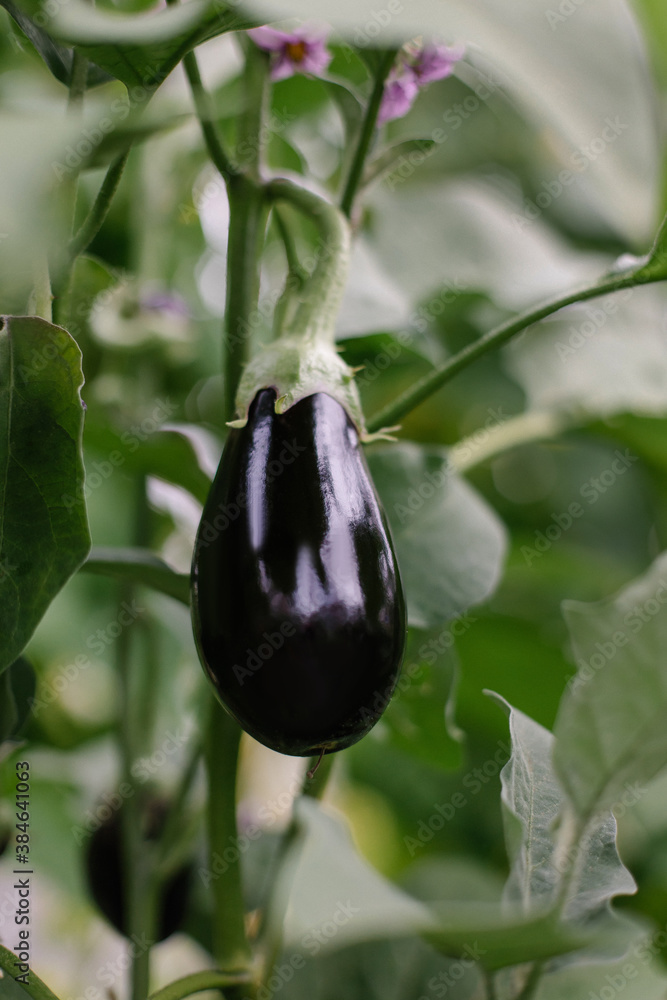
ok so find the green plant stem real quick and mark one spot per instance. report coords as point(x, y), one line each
point(34, 987)
point(365, 136)
point(426, 386)
point(230, 944)
point(293, 264)
point(140, 883)
point(171, 837)
point(42, 296)
point(204, 109)
point(248, 213)
point(197, 983)
point(315, 787)
point(78, 78)
point(251, 131)
point(98, 213)
point(531, 983)
point(322, 291)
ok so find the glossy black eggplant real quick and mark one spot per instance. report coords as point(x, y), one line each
point(297, 605)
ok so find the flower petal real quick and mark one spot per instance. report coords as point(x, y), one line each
point(270, 39)
point(435, 62)
point(399, 94)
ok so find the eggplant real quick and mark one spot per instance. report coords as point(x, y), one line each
point(105, 878)
point(298, 610)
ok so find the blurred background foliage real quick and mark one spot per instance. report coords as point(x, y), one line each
point(442, 254)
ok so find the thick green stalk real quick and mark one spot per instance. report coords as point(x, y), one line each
point(365, 136)
point(139, 878)
point(34, 987)
point(248, 212)
point(321, 293)
point(426, 386)
point(230, 945)
point(251, 130)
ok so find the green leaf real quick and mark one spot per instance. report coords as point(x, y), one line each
point(533, 800)
point(17, 689)
point(419, 718)
point(141, 50)
point(610, 728)
point(42, 541)
point(139, 566)
point(325, 879)
point(656, 264)
point(133, 132)
point(499, 940)
point(406, 155)
point(450, 545)
point(635, 976)
point(57, 57)
point(583, 361)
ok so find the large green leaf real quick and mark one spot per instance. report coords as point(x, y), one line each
point(57, 57)
point(611, 728)
point(533, 800)
point(141, 50)
point(449, 543)
point(326, 884)
point(42, 541)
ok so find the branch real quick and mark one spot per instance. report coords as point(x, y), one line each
point(426, 386)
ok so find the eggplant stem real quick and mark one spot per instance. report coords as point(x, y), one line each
point(311, 772)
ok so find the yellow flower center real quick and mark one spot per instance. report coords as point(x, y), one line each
point(296, 51)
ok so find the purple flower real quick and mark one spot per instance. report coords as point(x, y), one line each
point(400, 91)
point(417, 66)
point(434, 62)
point(166, 302)
point(303, 51)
